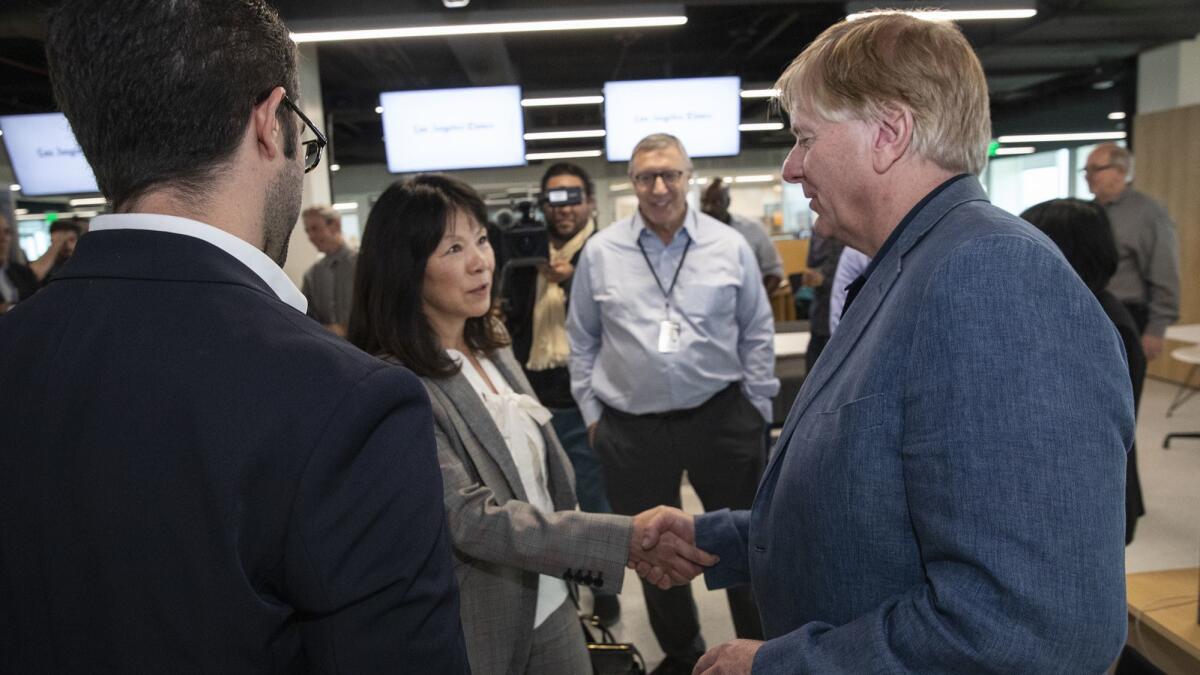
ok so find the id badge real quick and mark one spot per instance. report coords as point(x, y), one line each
point(668, 337)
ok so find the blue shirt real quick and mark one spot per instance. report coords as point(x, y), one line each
point(726, 329)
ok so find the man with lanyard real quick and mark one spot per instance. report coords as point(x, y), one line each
point(672, 365)
point(536, 318)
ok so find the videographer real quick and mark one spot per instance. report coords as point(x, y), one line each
point(535, 300)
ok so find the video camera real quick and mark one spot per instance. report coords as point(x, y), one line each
point(521, 241)
point(524, 241)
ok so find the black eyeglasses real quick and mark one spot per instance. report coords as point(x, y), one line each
point(1096, 169)
point(312, 147)
point(649, 179)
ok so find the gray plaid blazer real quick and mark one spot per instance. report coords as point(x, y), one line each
point(501, 542)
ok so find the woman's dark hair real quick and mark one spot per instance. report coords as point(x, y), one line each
point(387, 316)
point(1083, 233)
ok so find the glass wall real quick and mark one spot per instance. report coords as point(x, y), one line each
point(1017, 183)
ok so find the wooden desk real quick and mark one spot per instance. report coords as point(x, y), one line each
point(1162, 618)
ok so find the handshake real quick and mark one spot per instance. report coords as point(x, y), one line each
point(663, 547)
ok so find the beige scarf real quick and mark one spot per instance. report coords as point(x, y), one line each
point(549, 348)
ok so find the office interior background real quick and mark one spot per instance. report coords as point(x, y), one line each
point(1064, 76)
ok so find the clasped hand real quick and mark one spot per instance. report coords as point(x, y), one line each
point(663, 547)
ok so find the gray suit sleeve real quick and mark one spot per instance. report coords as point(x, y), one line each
point(518, 534)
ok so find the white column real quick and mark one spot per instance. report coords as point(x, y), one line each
point(301, 253)
point(1169, 77)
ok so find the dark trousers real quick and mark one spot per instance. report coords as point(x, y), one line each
point(720, 445)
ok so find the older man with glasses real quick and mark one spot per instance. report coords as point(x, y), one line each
point(1147, 278)
point(672, 365)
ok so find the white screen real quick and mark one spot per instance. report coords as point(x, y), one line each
point(703, 112)
point(45, 156)
point(443, 129)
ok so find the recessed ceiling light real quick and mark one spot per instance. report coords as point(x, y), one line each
point(378, 110)
point(760, 126)
point(1016, 150)
point(760, 93)
point(561, 100)
point(489, 28)
point(568, 154)
point(1051, 138)
point(88, 201)
point(952, 15)
point(1116, 115)
point(334, 168)
point(556, 135)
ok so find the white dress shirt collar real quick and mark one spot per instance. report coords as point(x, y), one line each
point(248, 255)
point(691, 225)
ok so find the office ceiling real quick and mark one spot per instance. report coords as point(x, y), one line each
point(1063, 70)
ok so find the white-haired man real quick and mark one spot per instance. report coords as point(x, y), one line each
point(947, 495)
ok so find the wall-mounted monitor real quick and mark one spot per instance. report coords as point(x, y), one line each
point(446, 129)
point(45, 156)
point(704, 112)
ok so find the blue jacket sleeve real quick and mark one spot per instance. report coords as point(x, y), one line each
point(725, 534)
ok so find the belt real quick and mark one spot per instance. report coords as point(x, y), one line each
point(673, 414)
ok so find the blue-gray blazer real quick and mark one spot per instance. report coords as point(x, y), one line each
point(948, 491)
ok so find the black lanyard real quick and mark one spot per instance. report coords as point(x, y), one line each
point(665, 291)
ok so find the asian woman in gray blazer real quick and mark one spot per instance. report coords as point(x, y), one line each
point(422, 299)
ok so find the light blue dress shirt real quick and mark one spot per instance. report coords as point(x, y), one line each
point(726, 329)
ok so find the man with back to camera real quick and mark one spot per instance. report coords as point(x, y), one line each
point(1147, 278)
point(536, 320)
point(947, 495)
point(672, 364)
point(329, 283)
point(237, 490)
point(715, 202)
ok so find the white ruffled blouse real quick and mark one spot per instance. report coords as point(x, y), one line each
point(519, 418)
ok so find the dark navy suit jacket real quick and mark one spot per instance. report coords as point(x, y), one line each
point(948, 492)
point(197, 478)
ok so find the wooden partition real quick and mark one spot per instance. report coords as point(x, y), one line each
point(1167, 167)
point(794, 253)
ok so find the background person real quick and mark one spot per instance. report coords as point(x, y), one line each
point(537, 323)
point(17, 282)
point(329, 283)
point(1083, 234)
point(236, 491)
point(947, 492)
point(1147, 277)
point(672, 364)
point(715, 202)
point(823, 255)
point(422, 299)
point(64, 235)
